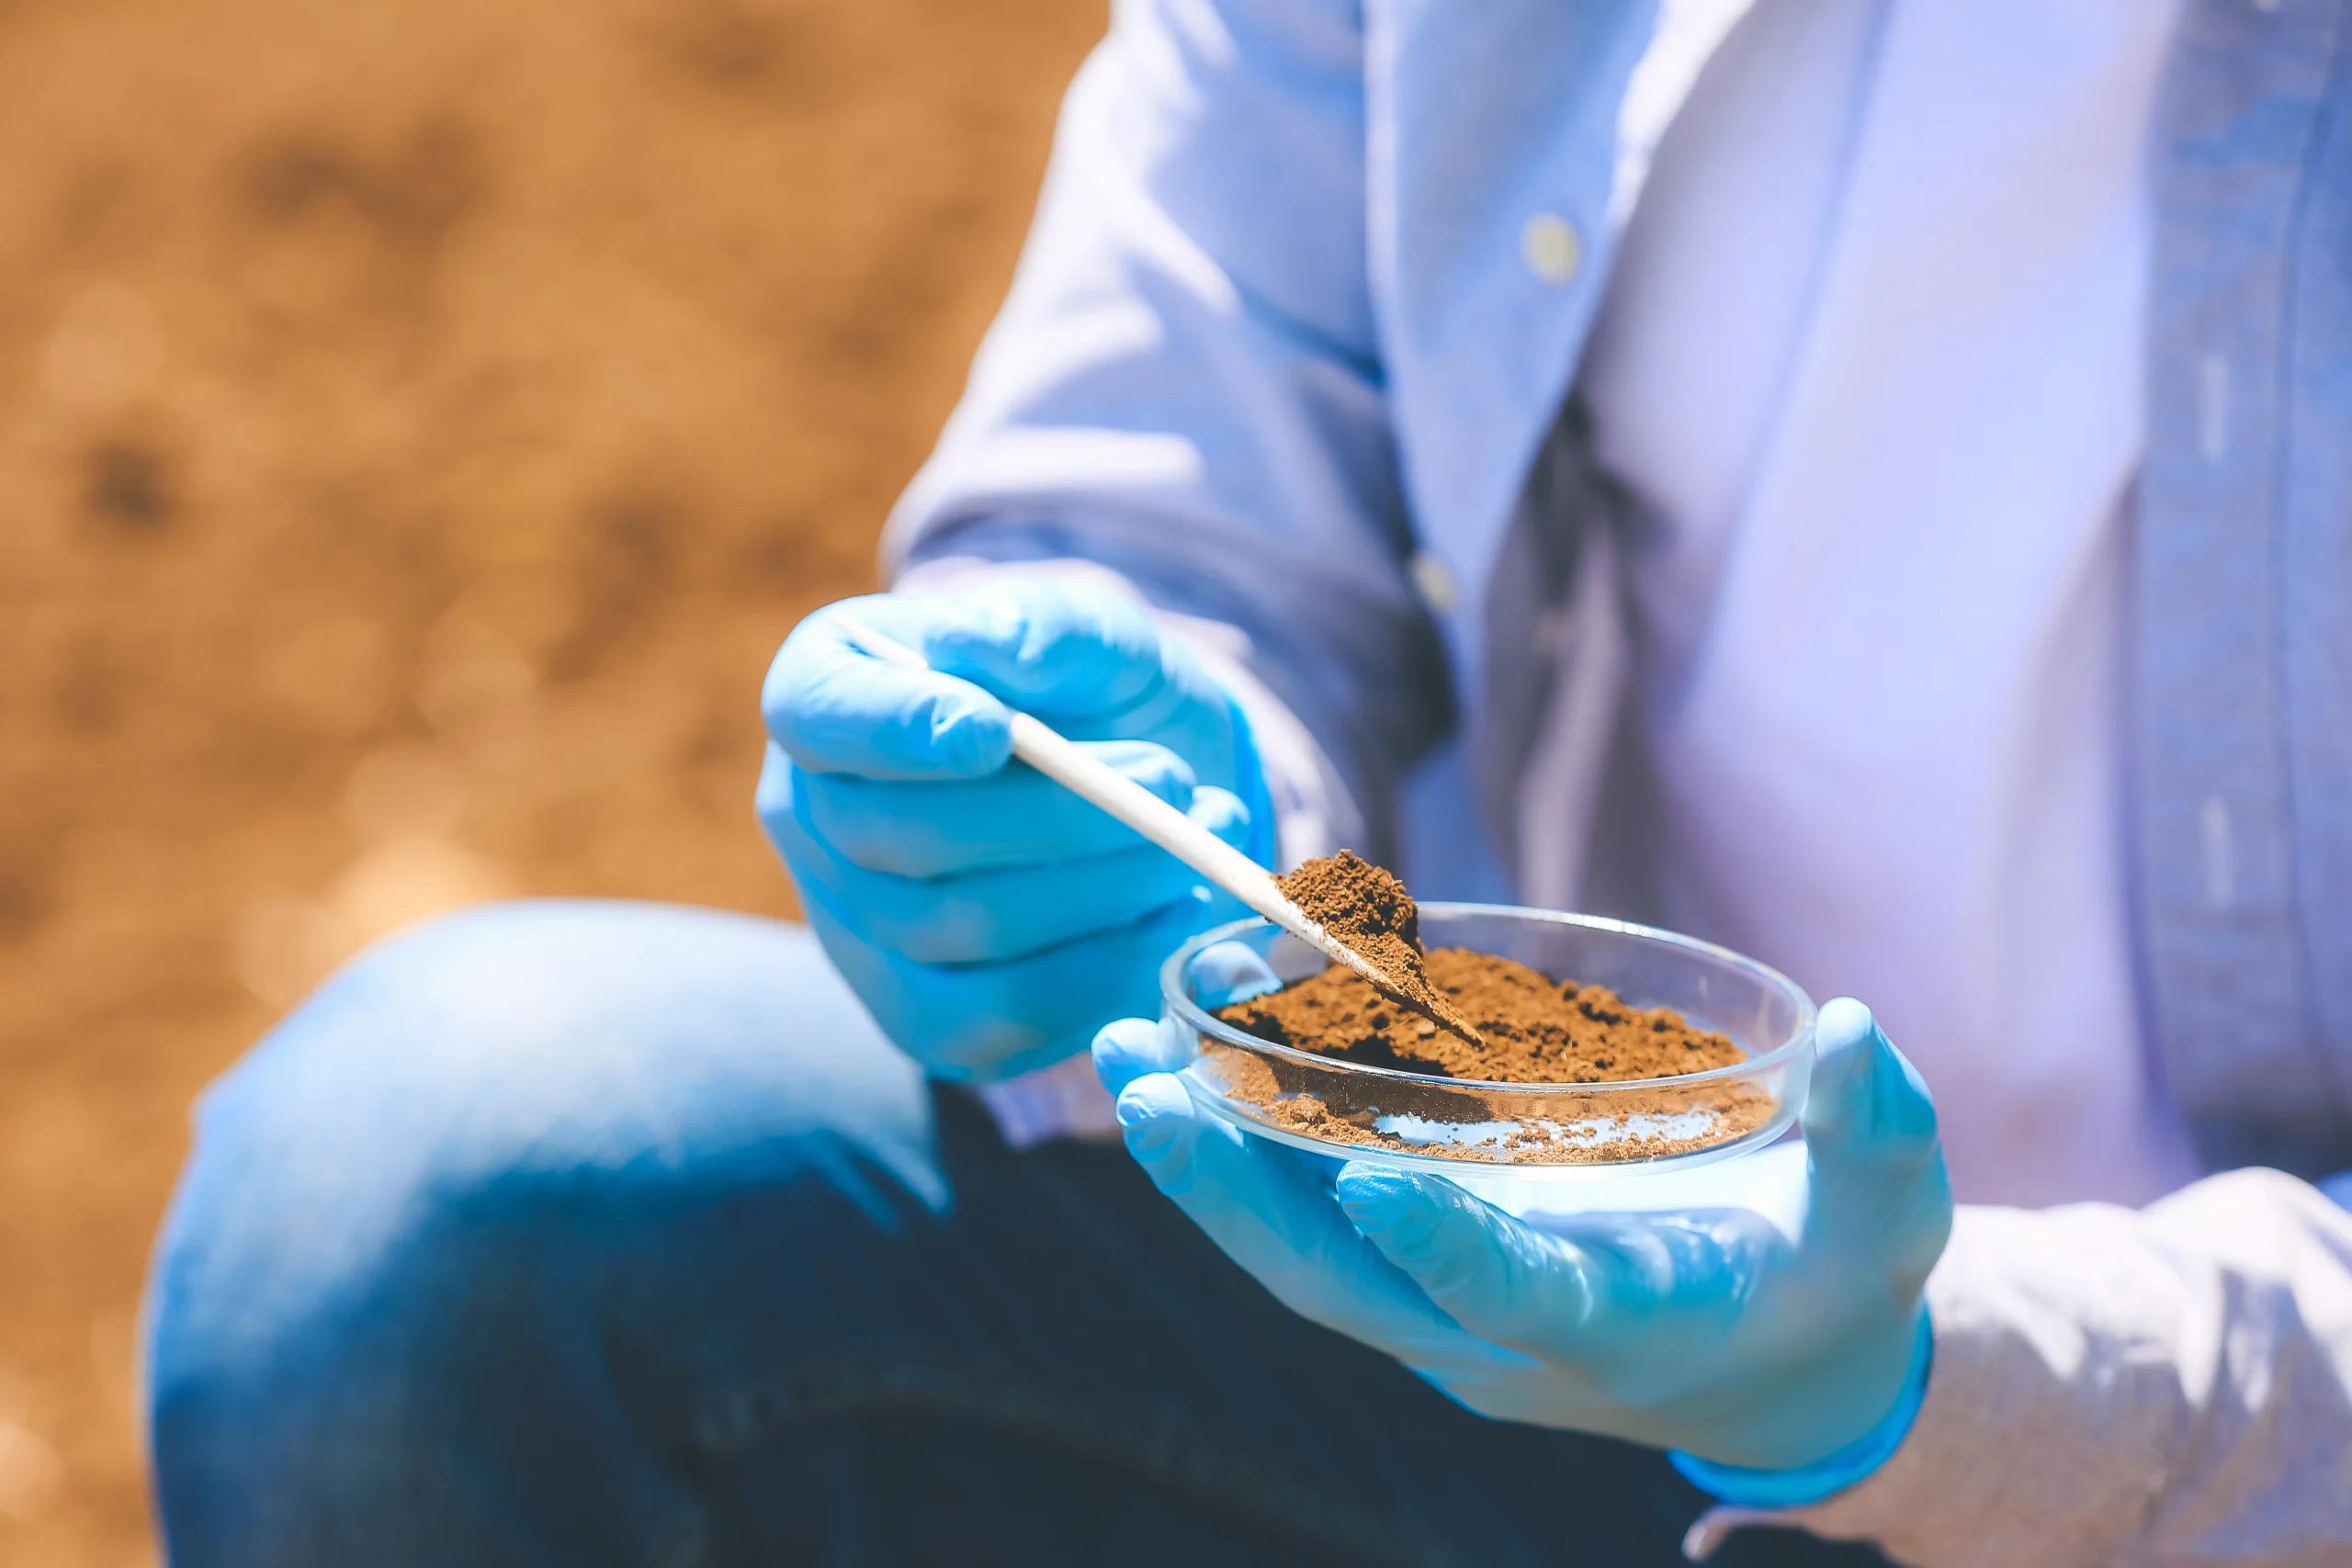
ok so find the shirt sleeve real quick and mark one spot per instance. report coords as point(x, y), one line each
point(1185, 386)
point(2165, 1388)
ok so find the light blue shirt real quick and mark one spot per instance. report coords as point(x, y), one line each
point(1290, 347)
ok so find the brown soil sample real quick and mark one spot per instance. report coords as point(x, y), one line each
point(1368, 910)
point(1536, 1030)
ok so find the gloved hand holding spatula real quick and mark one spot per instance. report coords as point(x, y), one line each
point(988, 917)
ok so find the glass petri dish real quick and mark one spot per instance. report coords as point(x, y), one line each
point(1542, 1132)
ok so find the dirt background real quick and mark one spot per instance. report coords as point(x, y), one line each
point(419, 421)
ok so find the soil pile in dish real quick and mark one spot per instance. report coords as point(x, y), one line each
point(1537, 1030)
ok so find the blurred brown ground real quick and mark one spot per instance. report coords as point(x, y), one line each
point(419, 421)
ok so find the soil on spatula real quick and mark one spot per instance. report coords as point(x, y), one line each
point(1370, 911)
point(1537, 1029)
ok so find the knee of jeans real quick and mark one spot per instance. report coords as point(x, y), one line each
point(495, 1107)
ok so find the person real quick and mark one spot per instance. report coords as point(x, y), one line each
point(1858, 480)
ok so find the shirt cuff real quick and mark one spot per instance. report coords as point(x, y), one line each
point(1064, 1101)
point(1745, 1489)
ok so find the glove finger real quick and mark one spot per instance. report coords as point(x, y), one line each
point(1130, 1048)
point(1865, 1098)
point(1491, 1274)
point(994, 916)
point(1230, 972)
point(835, 709)
point(1055, 649)
point(1091, 662)
point(1870, 1132)
point(1015, 817)
point(1126, 1049)
point(981, 1022)
point(1274, 1217)
point(1580, 1295)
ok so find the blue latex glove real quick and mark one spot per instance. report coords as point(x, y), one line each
point(989, 919)
point(1708, 1331)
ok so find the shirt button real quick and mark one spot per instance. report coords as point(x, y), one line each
point(1551, 248)
point(1433, 582)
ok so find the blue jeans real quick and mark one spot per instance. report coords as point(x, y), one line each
point(599, 1234)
